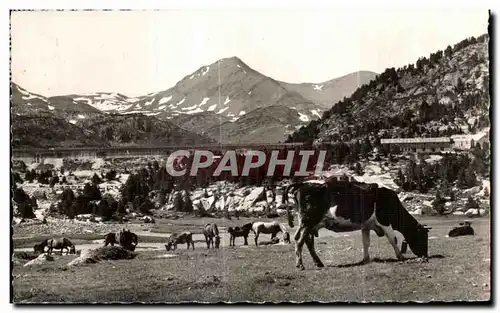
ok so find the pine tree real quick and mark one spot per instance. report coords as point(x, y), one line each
point(358, 170)
point(438, 204)
point(400, 178)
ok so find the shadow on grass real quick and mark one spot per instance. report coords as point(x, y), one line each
point(378, 260)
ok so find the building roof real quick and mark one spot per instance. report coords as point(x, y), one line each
point(416, 140)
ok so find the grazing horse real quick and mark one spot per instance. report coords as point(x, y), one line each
point(174, 240)
point(126, 239)
point(61, 243)
point(272, 228)
point(40, 247)
point(242, 231)
point(342, 206)
point(210, 231)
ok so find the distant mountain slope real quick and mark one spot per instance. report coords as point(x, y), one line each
point(24, 102)
point(199, 122)
point(49, 131)
point(46, 130)
point(270, 124)
point(448, 92)
point(227, 87)
point(215, 94)
point(329, 92)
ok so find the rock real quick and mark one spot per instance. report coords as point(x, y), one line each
point(447, 204)
point(407, 198)
point(41, 259)
point(416, 212)
point(482, 212)
point(39, 195)
point(427, 203)
point(472, 212)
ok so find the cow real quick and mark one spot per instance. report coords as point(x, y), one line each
point(242, 231)
point(210, 231)
point(343, 206)
point(463, 230)
point(174, 240)
point(272, 228)
point(126, 239)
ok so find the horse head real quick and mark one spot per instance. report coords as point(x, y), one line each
point(286, 237)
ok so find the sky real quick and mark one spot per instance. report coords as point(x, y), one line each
point(138, 52)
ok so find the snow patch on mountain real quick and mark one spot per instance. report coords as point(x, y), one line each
point(50, 107)
point(315, 112)
point(165, 99)
point(189, 108)
point(222, 110)
point(197, 110)
point(203, 102)
point(303, 117)
point(212, 107)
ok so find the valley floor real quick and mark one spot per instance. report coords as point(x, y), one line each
point(458, 270)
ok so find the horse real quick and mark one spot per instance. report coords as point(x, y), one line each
point(210, 231)
point(242, 231)
point(268, 228)
point(61, 243)
point(40, 247)
point(126, 239)
point(174, 240)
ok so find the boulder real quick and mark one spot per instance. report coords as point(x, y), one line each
point(472, 212)
point(41, 259)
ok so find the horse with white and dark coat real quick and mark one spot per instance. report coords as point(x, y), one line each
point(125, 238)
point(174, 240)
point(342, 206)
point(57, 243)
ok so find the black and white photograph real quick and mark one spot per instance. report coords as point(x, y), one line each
point(333, 155)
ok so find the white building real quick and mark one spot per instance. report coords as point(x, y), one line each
point(467, 142)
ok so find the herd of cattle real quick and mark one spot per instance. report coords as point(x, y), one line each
point(339, 206)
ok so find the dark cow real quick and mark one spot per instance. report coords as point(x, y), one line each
point(463, 230)
point(126, 239)
point(343, 206)
point(242, 231)
point(210, 231)
point(174, 240)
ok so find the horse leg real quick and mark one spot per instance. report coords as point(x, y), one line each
point(246, 240)
point(256, 238)
point(192, 244)
point(207, 240)
point(298, 247)
point(312, 251)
